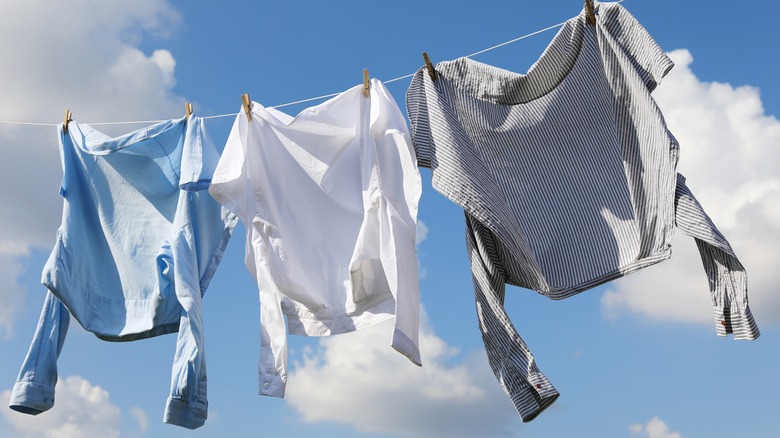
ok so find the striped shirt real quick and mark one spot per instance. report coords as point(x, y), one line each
point(567, 176)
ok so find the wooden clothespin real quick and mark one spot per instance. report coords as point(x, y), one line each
point(366, 85)
point(66, 120)
point(429, 66)
point(591, 12)
point(247, 105)
point(188, 109)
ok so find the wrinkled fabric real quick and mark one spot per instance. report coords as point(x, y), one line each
point(139, 243)
point(567, 177)
point(329, 200)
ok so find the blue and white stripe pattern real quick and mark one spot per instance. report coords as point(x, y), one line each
point(567, 176)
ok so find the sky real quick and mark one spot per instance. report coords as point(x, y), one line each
point(637, 357)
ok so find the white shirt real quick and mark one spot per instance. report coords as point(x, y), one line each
point(329, 200)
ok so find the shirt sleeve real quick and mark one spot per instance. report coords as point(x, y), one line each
point(417, 110)
point(64, 185)
point(199, 157)
point(727, 277)
point(187, 404)
point(229, 181)
point(645, 55)
point(33, 391)
point(203, 229)
point(401, 186)
point(272, 367)
point(193, 255)
point(509, 357)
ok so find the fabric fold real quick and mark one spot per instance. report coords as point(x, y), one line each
point(568, 178)
point(139, 243)
point(329, 200)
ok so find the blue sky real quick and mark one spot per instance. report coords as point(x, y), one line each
point(635, 358)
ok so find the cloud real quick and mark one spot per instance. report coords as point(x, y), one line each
point(11, 293)
point(94, 67)
point(359, 380)
point(730, 158)
point(655, 428)
point(140, 418)
point(421, 231)
point(82, 410)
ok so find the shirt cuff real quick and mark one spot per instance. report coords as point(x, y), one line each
point(535, 398)
point(272, 386)
point(32, 399)
point(736, 321)
point(185, 414)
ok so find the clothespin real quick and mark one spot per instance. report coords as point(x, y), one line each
point(247, 105)
point(429, 66)
point(366, 86)
point(66, 120)
point(591, 12)
point(188, 109)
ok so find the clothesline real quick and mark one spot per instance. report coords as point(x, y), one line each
point(311, 99)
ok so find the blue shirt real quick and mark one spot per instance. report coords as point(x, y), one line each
point(139, 242)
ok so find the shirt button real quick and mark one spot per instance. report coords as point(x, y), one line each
point(723, 323)
point(266, 384)
point(538, 386)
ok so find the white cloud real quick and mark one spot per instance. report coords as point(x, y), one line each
point(140, 418)
point(655, 428)
point(165, 62)
point(81, 55)
point(359, 380)
point(730, 157)
point(421, 231)
point(11, 293)
point(81, 411)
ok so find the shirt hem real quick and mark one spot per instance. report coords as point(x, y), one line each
point(562, 293)
point(156, 330)
point(312, 324)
